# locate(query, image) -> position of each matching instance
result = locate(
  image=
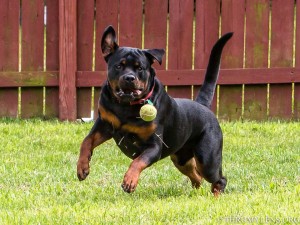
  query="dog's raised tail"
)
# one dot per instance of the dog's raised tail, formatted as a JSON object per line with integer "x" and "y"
{"x": 207, "y": 90}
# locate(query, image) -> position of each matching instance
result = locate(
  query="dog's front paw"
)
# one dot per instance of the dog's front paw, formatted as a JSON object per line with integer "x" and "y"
{"x": 130, "y": 182}
{"x": 83, "y": 169}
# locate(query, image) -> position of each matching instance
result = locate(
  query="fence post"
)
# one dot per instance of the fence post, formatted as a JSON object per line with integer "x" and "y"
{"x": 67, "y": 59}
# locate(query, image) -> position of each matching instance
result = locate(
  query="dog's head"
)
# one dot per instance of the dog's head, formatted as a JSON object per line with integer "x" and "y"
{"x": 130, "y": 74}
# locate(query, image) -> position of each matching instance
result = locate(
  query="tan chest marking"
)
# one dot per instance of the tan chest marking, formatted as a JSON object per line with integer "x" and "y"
{"x": 109, "y": 117}
{"x": 143, "y": 132}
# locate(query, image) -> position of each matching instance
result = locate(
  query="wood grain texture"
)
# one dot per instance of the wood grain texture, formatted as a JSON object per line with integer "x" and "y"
{"x": 206, "y": 31}
{"x": 9, "y": 54}
{"x": 180, "y": 41}
{"x": 256, "y": 55}
{"x": 156, "y": 27}
{"x": 130, "y": 23}
{"x": 281, "y": 56}
{"x": 67, "y": 58}
{"x": 32, "y": 55}
{"x": 107, "y": 13}
{"x": 233, "y": 17}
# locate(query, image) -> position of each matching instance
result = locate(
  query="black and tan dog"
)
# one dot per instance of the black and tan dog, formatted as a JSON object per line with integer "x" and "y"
{"x": 185, "y": 130}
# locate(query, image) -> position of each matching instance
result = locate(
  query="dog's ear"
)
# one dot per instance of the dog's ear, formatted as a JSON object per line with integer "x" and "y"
{"x": 154, "y": 54}
{"x": 108, "y": 42}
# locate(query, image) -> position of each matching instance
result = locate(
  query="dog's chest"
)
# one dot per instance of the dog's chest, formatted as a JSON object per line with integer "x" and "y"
{"x": 129, "y": 143}
{"x": 128, "y": 125}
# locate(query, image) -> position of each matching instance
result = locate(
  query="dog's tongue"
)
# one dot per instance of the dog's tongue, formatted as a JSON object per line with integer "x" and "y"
{"x": 137, "y": 92}
{"x": 134, "y": 91}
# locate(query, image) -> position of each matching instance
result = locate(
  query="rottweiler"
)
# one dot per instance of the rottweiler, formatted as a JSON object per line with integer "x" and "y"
{"x": 183, "y": 129}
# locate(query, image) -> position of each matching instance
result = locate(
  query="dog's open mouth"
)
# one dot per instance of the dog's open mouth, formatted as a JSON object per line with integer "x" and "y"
{"x": 128, "y": 94}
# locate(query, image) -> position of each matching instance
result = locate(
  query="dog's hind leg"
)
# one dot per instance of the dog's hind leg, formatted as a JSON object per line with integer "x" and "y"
{"x": 208, "y": 157}
{"x": 187, "y": 166}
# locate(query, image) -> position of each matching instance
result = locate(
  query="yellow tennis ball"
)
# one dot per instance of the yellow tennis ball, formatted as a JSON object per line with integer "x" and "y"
{"x": 148, "y": 112}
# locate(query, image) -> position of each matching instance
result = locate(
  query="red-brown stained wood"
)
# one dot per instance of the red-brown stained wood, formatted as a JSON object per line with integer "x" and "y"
{"x": 85, "y": 40}
{"x": 230, "y": 108}
{"x": 51, "y": 99}
{"x": 180, "y": 41}
{"x": 31, "y": 102}
{"x": 32, "y": 55}
{"x": 281, "y": 56}
{"x": 297, "y": 64}
{"x": 282, "y": 33}
{"x": 29, "y": 79}
{"x": 195, "y": 77}
{"x": 85, "y": 34}
{"x": 297, "y": 101}
{"x": 297, "y": 55}
{"x": 8, "y": 102}
{"x": 206, "y": 31}
{"x": 96, "y": 100}
{"x": 84, "y": 102}
{"x": 52, "y": 57}
{"x": 52, "y": 32}
{"x": 156, "y": 27}
{"x": 180, "y": 91}
{"x": 233, "y": 15}
{"x": 9, "y": 53}
{"x": 67, "y": 55}
{"x": 256, "y": 55}
{"x": 32, "y": 35}
{"x": 280, "y": 101}
{"x": 9, "y": 35}
{"x": 257, "y": 33}
{"x": 255, "y": 102}
{"x": 130, "y": 23}
{"x": 106, "y": 14}
{"x": 180, "y": 34}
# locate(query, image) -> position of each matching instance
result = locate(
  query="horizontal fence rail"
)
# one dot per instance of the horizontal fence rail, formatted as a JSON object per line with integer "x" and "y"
{"x": 51, "y": 63}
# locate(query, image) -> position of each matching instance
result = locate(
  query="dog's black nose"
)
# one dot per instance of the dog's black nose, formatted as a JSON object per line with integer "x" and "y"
{"x": 129, "y": 78}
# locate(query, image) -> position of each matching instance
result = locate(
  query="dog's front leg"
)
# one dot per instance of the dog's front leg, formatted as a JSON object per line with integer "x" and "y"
{"x": 98, "y": 134}
{"x": 147, "y": 158}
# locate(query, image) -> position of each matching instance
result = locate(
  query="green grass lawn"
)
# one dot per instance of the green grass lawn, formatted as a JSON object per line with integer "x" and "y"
{"x": 38, "y": 182}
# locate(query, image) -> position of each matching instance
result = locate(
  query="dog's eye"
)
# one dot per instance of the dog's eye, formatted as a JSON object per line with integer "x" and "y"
{"x": 118, "y": 67}
{"x": 140, "y": 68}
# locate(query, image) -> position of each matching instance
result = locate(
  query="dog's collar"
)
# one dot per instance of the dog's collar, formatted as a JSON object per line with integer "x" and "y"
{"x": 143, "y": 100}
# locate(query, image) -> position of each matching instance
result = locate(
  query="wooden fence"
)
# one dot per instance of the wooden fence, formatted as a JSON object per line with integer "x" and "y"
{"x": 51, "y": 63}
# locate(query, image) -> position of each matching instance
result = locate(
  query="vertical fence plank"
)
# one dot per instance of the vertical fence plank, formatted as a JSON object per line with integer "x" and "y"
{"x": 256, "y": 56}
{"x": 297, "y": 63}
{"x": 106, "y": 14}
{"x": 97, "y": 91}
{"x": 130, "y": 23}
{"x": 206, "y": 33}
{"x": 230, "y": 96}
{"x": 67, "y": 58}
{"x": 85, "y": 40}
{"x": 297, "y": 101}
{"x": 156, "y": 27}
{"x": 32, "y": 55}
{"x": 52, "y": 57}
{"x": 9, "y": 53}
{"x": 281, "y": 56}
{"x": 180, "y": 41}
